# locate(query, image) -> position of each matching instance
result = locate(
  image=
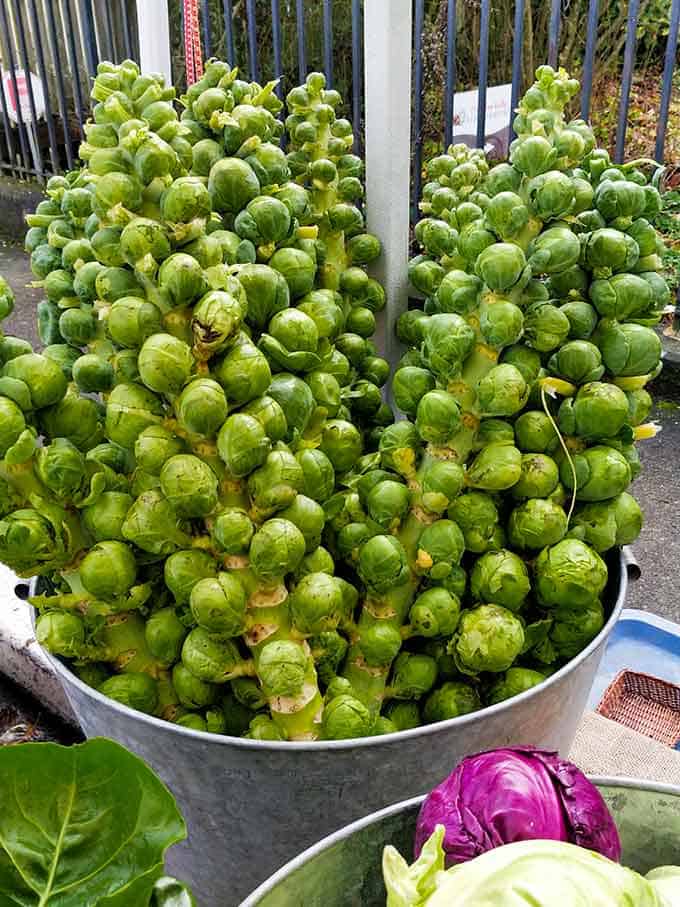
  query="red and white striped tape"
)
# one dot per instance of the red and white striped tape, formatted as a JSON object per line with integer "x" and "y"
{"x": 192, "y": 42}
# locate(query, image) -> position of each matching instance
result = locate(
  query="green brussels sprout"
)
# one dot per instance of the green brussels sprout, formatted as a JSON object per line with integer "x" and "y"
{"x": 204, "y": 154}
{"x": 108, "y": 570}
{"x": 77, "y": 326}
{"x": 601, "y": 473}
{"x": 425, "y": 275}
{"x": 538, "y": 478}
{"x": 582, "y": 319}
{"x": 551, "y": 194}
{"x": 546, "y": 326}
{"x": 532, "y": 155}
{"x": 627, "y": 349}
{"x": 113, "y": 284}
{"x": 537, "y": 523}
{"x": 451, "y": 700}
{"x": 380, "y": 644}
{"x": 500, "y": 577}
{"x": 526, "y": 360}
{"x": 113, "y": 190}
{"x": 165, "y": 633}
{"x": 514, "y": 682}
{"x": 202, "y": 407}
{"x": 435, "y": 612}
{"x": 607, "y": 251}
{"x": 218, "y": 604}
{"x": 242, "y": 444}
{"x": 329, "y": 649}
{"x": 447, "y": 341}
{"x": 263, "y": 728}
{"x": 501, "y": 266}
{"x": 317, "y": 604}
{"x": 153, "y": 525}
{"x": 276, "y": 549}
{"x": 268, "y": 412}
{"x": 76, "y": 418}
{"x": 61, "y": 468}
{"x": 436, "y": 236}
{"x": 183, "y": 569}
{"x": 413, "y": 675}
{"x": 477, "y": 516}
{"x": 489, "y": 638}
{"x": 181, "y": 279}
{"x": 92, "y": 374}
{"x": 440, "y": 548}
{"x": 11, "y": 347}
{"x": 275, "y": 484}
{"x": 570, "y": 283}
{"x": 61, "y": 633}
{"x": 573, "y": 629}
{"x": 569, "y": 574}
{"x": 342, "y": 444}
{"x": 297, "y": 268}
{"x": 496, "y": 467}
{"x": 383, "y": 564}
{"x": 388, "y": 503}
{"x": 501, "y": 323}
{"x": 639, "y": 406}
{"x": 404, "y": 714}
{"x": 345, "y": 717}
{"x": 502, "y": 178}
{"x": 322, "y": 306}
{"x": 232, "y": 184}
{"x": 292, "y": 340}
{"x": 598, "y": 410}
{"x": 554, "y": 250}
{"x": 309, "y": 517}
{"x": 474, "y": 238}
{"x": 210, "y": 658}
{"x": 12, "y": 424}
{"x": 442, "y": 481}
{"x": 578, "y": 361}
{"x": 243, "y": 372}
{"x": 215, "y": 324}
{"x": 458, "y": 292}
{"x": 282, "y": 668}
{"x": 165, "y": 363}
{"x": 154, "y": 446}
{"x": 493, "y": 431}
{"x": 192, "y": 692}
{"x": 620, "y": 199}
{"x": 506, "y": 214}
{"x": 295, "y": 399}
{"x": 604, "y": 524}
{"x": 399, "y": 446}
{"x": 438, "y": 417}
{"x": 189, "y": 485}
{"x": 232, "y": 531}
{"x": 326, "y": 391}
{"x": 104, "y": 518}
{"x": 136, "y": 691}
{"x": 502, "y": 391}
{"x": 621, "y": 296}
{"x": 131, "y": 321}
{"x": 410, "y": 325}
{"x": 41, "y": 377}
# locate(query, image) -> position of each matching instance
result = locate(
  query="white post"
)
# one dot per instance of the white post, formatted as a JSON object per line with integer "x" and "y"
{"x": 387, "y": 55}
{"x": 154, "y": 37}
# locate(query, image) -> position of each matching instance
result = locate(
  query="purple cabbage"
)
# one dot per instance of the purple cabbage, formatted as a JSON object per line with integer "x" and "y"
{"x": 516, "y": 794}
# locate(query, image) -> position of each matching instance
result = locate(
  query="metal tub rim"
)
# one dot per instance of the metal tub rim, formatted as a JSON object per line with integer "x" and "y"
{"x": 347, "y": 831}
{"x": 627, "y": 568}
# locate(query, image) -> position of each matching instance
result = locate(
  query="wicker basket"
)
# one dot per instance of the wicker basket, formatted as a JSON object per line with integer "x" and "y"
{"x": 645, "y": 704}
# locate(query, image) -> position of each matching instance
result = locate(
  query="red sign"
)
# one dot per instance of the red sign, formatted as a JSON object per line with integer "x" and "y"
{"x": 20, "y": 86}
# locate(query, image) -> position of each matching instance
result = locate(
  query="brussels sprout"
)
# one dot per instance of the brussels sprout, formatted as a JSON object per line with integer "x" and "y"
{"x": 546, "y": 327}
{"x": 502, "y": 391}
{"x": 474, "y": 238}
{"x": 341, "y": 442}
{"x": 601, "y": 473}
{"x": 514, "y": 682}
{"x": 551, "y": 194}
{"x": 597, "y": 411}
{"x": 536, "y": 523}
{"x": 532, "y": 155}
{"x": 501, "y": 323}
{"x": 309, "y": 517}
{"x": 578, "y": 361}
{"x": 582, "y": 319}
{"x": 413, "y": 675}
{"x": 477, "y": 516}
{"x": 453, "y": 699}
{"x": 403, "y": 714}
{"x": 345, "y": 717}
{"x": 500, "y": 577}
{"x": 295, "y": 399}
{"x": 297, "y": 268}
{"x": 425, "y": 275}
{"x": 60, "y": 633}
{"x": 554, "y": 250}
{"x": 639, "y": 406}
{"x": 210, "y": 658}
{"x": 573, "y": 629}
{"x": 12, "y": 424}
{"x": 489, "y": 638}
{"x": 216, "y": 322}
{"x": 569, "y": 574}
{"x": 447, "y": 341}
{"x": 243, "y": 372}
{"x": 438, "y": 417}
{"x": 501, "y": 266}
{"x": 189, "y": 485}
{"x": 621, "y": 296}
{"x": 323, "y": 308}
{"x": 165, "y": 633}
{"x": 92, "y": 374}
{"x": 440, "y": 548}
{"x": 276, "y": 549}
{"x": 181, "y": 279}
{"x": 538, "y": 478}
{"x": 318, "y": 474}
{"x": 383, "y": 564}
{"x": 192, "y": 692}
{"x": 292, "y": 340}
{"x": 380, "y": 644}
{"x": 202, "y": 407}
{"x": 526, "y": 360}
{"x": 534, "y": 432}
{"x": 232, "y": 184}
{"x": 506, "y": 214}
{"x": 42, "y": 378}
{"x": 603, "y": 524}
{"x": 628, "y": 349}
{"x": 496, "y": 467}
{"x": 442, "y": 481}
{"x": 218, "y": 604}
{"x": 104, "y": 518}
{"x": 458, "y": 292}
{"x": 108, "y": 570}
{"x": 136, "y": 691}
{"x": 435, "y": 612}
{"x": 11, "y": 347}
{"x": 242, "y": 444}
{"x": 132, "y": 320}
{"x": 282, "y": 668}
{"x": 502, "y": 178}
{"x": 607, "y": 251}
{"x": 183, "y": 569}
{"x": 317, "y": 604}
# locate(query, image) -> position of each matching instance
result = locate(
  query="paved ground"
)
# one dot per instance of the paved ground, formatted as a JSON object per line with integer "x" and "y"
{"x": 23, "y": 720}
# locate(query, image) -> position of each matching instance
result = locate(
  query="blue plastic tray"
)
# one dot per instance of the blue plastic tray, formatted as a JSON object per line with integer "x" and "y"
{"x": 639, "y": 642}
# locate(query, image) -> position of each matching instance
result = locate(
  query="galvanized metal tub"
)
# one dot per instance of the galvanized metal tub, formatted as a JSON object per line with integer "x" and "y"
{"x": 344, "y": 870}
{"x": 250, "y": 805}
